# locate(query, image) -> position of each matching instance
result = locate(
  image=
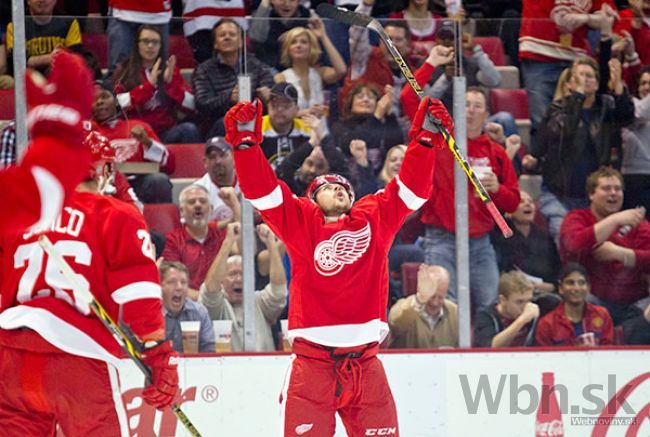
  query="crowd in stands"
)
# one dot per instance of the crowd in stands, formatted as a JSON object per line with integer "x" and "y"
{"x": 575, "y": 273}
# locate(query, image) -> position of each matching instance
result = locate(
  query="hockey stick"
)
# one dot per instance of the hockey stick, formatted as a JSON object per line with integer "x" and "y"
{"x": 353, "y": 18}
{"x": 121, "y": 333}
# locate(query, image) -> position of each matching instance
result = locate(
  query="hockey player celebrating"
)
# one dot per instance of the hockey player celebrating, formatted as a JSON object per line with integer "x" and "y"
{"x": 57, "y": 360}
{"x": 33, "y": 192}
{"x": 339, "y": 284}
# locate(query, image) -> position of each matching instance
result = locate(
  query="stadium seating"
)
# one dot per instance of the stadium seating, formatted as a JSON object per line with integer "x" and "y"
{"x": 189, "y": 160}
{"x": 410, "y": 278}
{"x": 161, "y": 217}
{"x": 516, "y": 103}
{"x": 493, "y": 47}
{"x": 7, "y": 105}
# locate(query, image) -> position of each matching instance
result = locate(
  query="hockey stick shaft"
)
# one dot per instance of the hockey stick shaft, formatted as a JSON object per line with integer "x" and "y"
{"x": 353, "y": 18}
{"x": 123, "y": 338}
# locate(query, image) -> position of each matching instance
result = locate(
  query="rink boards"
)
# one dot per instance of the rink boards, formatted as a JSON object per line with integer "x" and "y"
{"x": 447, "y": 393}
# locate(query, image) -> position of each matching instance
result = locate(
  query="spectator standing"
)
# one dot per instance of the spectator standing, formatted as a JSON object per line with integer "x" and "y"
{"x": 220, "y": 180}
{"x": 575, "y": 322}
{"x": 199, "y": 18}
{"x": 636, "y": 148}
{"x": 580, "y": 133}
{"x": 222, "y": 295}
{"x": 426, "y": 319}
{"x": 384, "y": 70}
{"x": 613, "y": 245}
{"x": 437, "y": 72}
{"x": 531, "y": 249}
{"x": 198, "y": 240}
{"x": 134, "y": 141}
{"x": 496, "y": 173}
{"x": 421, "y": 20}
{"x": 125, "y": 19}
{"x": 511, "y": 322}
{"x": 44, "y": 33}
{"x": 270, "y": 20}
{"x": 177, "y": 308}
{"x": 554, "y": 34}
{"x": 215, "y": 80}
{"x": 151, "y": 88}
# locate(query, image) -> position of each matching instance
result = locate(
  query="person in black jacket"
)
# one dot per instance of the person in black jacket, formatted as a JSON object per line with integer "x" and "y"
{"x": 531, "y": 249}
{"x": 580, "y": 133}
{"x": 215, "y": 80}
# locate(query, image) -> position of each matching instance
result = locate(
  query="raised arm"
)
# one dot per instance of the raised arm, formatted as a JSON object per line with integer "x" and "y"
{"x": 408, "y": 191}
{"x": 259, "y": 184}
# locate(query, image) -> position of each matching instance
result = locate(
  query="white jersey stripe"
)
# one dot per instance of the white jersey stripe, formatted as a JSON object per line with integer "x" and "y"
{"x": 136, "y": 291}
{"x": 409, "y": 198}
{"x": 271, "y": 200}
{"x": 117, "y": 400}
{"x": 343, "y": 335}
{"x": 50, "y": 191}
{"x": 57, "y": 332}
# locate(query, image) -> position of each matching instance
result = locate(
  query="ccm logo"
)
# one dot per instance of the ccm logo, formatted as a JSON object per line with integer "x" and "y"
{"x": 381, "y": 431}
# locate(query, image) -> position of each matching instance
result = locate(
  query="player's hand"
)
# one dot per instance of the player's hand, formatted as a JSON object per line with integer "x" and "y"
{"x": 163, "y": 362}
{"x": 423, "y": 130}
{"x": 244, "y": 124}
{"x": 58, "y": 106}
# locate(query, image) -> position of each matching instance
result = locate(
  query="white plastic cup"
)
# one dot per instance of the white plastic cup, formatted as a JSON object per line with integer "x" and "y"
{"x": 222, "y": 335}
{"x": 190, "y": 334}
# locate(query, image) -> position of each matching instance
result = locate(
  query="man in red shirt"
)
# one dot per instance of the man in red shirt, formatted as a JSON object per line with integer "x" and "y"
{"x": 575, "y": 321}
{"x": 613, "y": 245}
{"x": 494, "y": 169}
{"x": 339, "y": 284}
{"x": 198, "y": 241}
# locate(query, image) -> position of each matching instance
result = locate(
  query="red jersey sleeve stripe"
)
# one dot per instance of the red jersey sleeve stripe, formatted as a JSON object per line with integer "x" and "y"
{"x": 51, "y": 196}
{"x": 410, "y": 199}
{"x": 271, "y": 200}
{"x": 136, "y": 291}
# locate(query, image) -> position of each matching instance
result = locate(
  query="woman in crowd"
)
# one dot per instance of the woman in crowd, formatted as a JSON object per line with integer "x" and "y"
{"x": 392, "y": 164}
{"x": 367, "y": 116}
{"x": 300, "y": 54}
{"x": 153, "y": 90}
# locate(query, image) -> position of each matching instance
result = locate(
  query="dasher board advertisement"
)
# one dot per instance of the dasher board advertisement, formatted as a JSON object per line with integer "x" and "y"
{"x": 572, "y": 393}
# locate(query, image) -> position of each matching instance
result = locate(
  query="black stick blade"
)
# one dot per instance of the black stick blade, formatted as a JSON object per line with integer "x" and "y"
{"x": 341, "y": 15}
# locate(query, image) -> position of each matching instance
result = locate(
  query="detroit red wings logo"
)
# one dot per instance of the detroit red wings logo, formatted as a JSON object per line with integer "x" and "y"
{"x": 344, "y": 247}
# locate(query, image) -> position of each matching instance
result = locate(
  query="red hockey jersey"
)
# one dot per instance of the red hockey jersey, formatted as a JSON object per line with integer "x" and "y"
{"x": 106, "y": 242}
{"x": 339, "y": 270}
{"x": 542, "y": 37}
{"x": 33, "y": 191}
{"x": 143, "y": 11}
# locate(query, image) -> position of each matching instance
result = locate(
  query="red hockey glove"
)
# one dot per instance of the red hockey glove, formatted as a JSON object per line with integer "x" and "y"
{"x": 424, "y": 129}
{"x": 59, "y": 105}
{"x": 163, "y": 361}
{"x": 244, "y": 124}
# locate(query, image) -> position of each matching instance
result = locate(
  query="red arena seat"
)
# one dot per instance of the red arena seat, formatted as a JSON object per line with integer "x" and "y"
{"x": 161, "y": 217}
{"x": 179, "y": 46}
{"x": 189, "y": 160}
{"x": 493, "y": 47}
{"x": 512, "y": 101}
{"x": 7, "y": 105}
{"x": 98, "y": 44}
{"x": 410, "y": 278}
